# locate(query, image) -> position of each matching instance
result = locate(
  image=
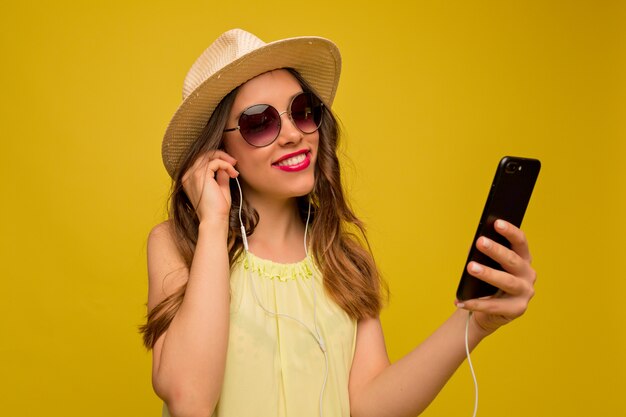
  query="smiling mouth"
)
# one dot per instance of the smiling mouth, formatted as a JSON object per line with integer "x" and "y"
{"x": 294, "y": 163}
{"x": 294, "y": 160}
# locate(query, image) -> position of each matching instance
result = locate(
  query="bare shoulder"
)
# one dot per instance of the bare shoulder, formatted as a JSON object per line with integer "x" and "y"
{"x": 167, "y": 270}
{"x": 161, "y": 242}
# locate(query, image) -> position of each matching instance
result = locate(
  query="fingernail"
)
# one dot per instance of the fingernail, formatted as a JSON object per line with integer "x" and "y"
{"x": 500, "y": 225}
{"x": 486, "y": 243}
{"x": 460, "y": 305}
{"x": 475, "y": 268}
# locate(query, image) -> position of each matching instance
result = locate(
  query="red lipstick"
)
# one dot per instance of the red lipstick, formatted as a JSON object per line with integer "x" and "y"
{"x": 293, "y": 162}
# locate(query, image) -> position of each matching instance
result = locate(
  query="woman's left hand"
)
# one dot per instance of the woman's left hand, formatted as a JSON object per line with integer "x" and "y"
{"x": 516, "y": 282}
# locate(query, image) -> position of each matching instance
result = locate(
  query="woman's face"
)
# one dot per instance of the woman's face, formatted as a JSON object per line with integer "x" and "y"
{"x": 285, "y": 168}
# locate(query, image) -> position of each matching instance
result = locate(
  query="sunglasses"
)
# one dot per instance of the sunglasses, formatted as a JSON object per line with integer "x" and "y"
{"x": 260, "y": 124}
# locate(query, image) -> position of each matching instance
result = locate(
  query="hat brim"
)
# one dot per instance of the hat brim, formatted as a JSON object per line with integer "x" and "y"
{"x": 316, "y": 59}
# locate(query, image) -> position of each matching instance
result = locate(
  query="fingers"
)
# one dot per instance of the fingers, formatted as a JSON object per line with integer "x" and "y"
{"x": 518, "y": 276}
{"x": 216, "y": 165}
{"x": 212, "y": 161}
{"x": 504, "y": 311}
{"x": 515, "y": 282}
{"x": 222, "y": 177}
{"x": 515, "y": 236}
{"x": 196, "y": 179}
{"x": 515, "y": 260}
{"x": 509, "y": 283}
{"x": 206, "y": 183}
{"x": 509, "y": 303}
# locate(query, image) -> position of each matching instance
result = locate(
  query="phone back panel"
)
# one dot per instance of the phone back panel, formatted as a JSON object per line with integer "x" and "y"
{"x": 508, "y": 199}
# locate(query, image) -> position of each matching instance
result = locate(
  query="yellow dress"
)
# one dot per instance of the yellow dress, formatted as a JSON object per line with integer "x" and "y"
{"x": 275, "y": 366}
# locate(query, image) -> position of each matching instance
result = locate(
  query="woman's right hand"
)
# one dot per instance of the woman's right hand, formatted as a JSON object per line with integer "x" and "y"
{"x": 206, "y": 184}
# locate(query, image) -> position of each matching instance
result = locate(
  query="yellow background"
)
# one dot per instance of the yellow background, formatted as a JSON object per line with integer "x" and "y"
{"x": 432, "y": 95}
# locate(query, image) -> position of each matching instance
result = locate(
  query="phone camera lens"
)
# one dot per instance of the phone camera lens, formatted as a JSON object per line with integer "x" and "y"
{"x": 511, "y": 167}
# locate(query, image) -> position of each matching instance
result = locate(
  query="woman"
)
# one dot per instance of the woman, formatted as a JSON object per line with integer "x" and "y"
{"x": 263, "y": 298}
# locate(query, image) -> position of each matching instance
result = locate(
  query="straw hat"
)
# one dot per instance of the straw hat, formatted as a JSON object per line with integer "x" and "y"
{"x": 234, "y": 58}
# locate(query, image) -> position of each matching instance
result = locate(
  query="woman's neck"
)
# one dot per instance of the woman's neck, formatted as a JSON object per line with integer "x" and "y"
{"x": 279, "y": 234}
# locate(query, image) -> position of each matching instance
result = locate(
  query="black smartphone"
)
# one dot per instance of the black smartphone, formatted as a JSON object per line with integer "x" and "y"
{"x": 508, "y": 199}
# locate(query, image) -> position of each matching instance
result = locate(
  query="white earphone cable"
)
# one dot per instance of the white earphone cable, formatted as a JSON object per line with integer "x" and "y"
{"x": 315, "y": 331}
{"x": 320, "y": 340}
{"x": 469, "y": 361}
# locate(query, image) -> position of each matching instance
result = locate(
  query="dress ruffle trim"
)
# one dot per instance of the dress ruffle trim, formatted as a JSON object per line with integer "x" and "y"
{"x": 267, "y": 269}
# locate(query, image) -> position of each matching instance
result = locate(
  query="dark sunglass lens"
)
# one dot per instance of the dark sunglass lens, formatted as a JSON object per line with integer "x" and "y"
{"x": 259, "y": 125}
{"x": 306, "y": 112}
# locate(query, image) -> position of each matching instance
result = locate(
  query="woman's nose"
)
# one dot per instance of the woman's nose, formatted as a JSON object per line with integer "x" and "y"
{"x": 289, "y": 133}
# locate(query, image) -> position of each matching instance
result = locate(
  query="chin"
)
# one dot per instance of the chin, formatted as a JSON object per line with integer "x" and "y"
{"x": 302, "y": 191}
{"x": 302, "y": 188}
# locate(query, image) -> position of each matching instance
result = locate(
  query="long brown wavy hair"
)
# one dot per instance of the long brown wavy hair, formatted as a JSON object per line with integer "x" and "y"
{"x": 338, "y": 240}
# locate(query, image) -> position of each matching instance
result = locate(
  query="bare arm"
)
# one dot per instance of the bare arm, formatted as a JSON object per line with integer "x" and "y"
{"x": 189, "y": 358}
{"x": 408, "y": 386}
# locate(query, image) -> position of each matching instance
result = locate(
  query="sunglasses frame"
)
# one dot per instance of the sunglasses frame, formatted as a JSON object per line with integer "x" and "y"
{"x": 280, "y": 124}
